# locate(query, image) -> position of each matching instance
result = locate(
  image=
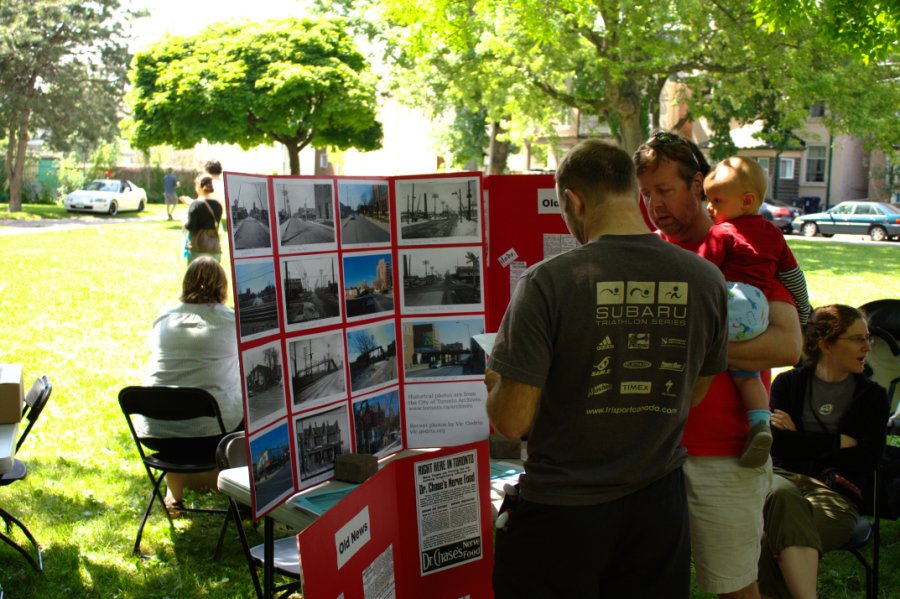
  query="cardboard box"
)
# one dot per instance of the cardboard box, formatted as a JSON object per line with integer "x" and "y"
{"x": 12, "y": 393}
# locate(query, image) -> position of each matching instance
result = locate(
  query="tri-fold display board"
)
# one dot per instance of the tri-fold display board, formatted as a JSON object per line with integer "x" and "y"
{"x": 356, "y": 300}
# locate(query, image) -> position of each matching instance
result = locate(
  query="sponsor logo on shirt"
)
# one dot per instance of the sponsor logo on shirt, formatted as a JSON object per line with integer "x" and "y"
{"x": 674, "y": 366}
{"x": 601, "y": 367}
{"x": 673, "y": 342}
{"x": 599, "y": 389}
{"x": 605, "y": 344}
{"x": 635, "y": 387}
{"x": 668, "y": 389}
{"x": 641, "y": 302}
{"x": 638, "y": 340}
{"x": 637, "y": 364}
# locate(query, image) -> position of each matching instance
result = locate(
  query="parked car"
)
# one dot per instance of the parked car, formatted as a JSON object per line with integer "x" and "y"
{"x": 878, "y": 220}
{"x": 107, "y": 195}
{"x": 779, "y": 214}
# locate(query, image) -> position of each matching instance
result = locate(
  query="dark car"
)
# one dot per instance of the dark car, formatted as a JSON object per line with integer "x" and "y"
{"x": 779, "y": 214}
{"x": 879, "y": 220}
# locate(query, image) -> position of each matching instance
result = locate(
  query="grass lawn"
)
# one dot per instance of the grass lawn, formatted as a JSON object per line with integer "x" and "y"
{"x": 77, "y": 305}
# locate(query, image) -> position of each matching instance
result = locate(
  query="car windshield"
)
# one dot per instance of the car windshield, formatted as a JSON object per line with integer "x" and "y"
{"x": 104, "y": 185}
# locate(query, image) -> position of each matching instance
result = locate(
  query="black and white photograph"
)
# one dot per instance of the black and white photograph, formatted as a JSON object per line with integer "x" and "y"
{"x": 365, "y": 213}
{"x": 441, "y": 280}
{"x": 372, "y": 354}
{"x": 311, "y": 291}
{"x": 257, "y": 298}
{"x": 248, "y": 205}
{"x": 264, "y": 384}
{"x": 273, "y": 478}
{"x": 316, "y": 367}
{"x": 441, "y": 348}
{"x": 376, "y": 424}
{"x": 321, "y": 438}
{"x": 305, "y": 214}
{"x": 368, "y": 284}
{"x": 441, "y": 210}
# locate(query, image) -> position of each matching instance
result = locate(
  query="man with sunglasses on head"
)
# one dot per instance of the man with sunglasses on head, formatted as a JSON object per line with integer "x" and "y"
{"x": 725, "y": 500}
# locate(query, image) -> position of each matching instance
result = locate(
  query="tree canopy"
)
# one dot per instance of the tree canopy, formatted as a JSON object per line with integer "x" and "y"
{"x": 62, "y": 74}
{"x": 294, "y": 81}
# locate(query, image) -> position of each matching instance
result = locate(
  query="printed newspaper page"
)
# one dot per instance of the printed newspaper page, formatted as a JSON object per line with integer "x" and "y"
{"x": 448, "y": 511}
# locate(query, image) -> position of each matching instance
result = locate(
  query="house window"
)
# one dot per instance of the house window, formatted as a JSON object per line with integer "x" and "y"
{"x": 817, "y": 109}
{"x": 815, "y": 164}
{"x": 764, "y": 164}
{"x": 787, "y": 168}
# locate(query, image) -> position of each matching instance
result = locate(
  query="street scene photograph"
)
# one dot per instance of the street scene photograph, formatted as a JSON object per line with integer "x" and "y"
{"x": 263, "y": 384}
{"x": 365, "y": 213}
{"x": 372, "y": 352}
{"x": 376, "y": 422}
{"x": 270, "y": 453}
{"x": 316, "y": 366}
{"x": 368, "y": 284}
{"x": 440, "y": 280}
{"x": 311, "y": 293}
{"x": 321, "y": 438}
{"x": 441, "y": 347}
{"x": 441, "y": 210}
{"x": 257, "y": 304}
{"x": 248, "y": 202}
{"x": 305, "y": 211}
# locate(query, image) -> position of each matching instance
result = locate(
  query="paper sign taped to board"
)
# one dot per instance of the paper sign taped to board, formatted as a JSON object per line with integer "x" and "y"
{"x": 352, "y": 536}
{"x": 547, "y": 201}
{"x": 507, "y": 257}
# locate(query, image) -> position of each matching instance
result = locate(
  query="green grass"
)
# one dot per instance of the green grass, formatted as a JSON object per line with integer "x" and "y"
{"x": 35, "y": 212}
{"x": 77, "y": 305}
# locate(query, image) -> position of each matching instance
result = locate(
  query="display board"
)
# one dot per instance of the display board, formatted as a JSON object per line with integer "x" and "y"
{"x": 356, "y": 300}
{"x": 525, "y": 226}
{"x": 420, "y": 527}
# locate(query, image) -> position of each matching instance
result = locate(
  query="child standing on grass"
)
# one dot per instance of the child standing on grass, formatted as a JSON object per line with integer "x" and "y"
{"x": 753, "y": 255}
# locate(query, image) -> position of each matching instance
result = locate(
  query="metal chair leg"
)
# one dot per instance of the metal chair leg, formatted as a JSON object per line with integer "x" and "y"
{"x": 137, "y": 543}
{"x": 10, "y": 519}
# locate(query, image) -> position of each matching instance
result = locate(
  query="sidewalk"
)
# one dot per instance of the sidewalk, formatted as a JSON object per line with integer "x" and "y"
{"x": 47, "y": 225}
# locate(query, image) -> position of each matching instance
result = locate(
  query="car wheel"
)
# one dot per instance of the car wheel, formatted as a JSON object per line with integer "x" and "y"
{"x": 809, "y": 229}
{"x": 141, "y": 206}
{"x": 113, "y": 208}
{"x": 877, "y": 233}
{"x": 787, "y": 229}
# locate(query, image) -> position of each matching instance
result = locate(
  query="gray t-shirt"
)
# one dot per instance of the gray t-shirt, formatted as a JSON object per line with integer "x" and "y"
{"x": 614, "y": 333}
{"x": 826, "y": 403}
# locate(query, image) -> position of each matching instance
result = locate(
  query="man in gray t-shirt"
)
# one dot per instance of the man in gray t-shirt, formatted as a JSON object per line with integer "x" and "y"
{"x": 599, "y": 357}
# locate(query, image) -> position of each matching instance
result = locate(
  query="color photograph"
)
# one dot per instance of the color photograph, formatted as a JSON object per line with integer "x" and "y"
{"x": 273, "y": 479}
{"x": 365, "y": 213}
{"x": 372, "y": 353}
{"x": 441, "y": 280}
{"x": 368, "y": 284}
{"x": 441, "y": 348}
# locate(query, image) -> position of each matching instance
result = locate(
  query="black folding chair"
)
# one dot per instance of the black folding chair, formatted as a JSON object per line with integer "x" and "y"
{"x": 171, "y": 403}
{"x": 35, "y": 400}
{"x": 285, "y": 558}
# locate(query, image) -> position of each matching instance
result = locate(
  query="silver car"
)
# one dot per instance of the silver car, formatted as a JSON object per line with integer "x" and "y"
{"x": 107, "y": 195}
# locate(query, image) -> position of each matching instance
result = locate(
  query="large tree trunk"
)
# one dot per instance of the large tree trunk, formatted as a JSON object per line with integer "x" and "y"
{"x": 17, "y": 161}
{"x": 498, "y": 152}
{"x": 293, "y": 156}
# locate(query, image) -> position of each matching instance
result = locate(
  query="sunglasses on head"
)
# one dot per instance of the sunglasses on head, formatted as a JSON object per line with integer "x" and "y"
{"x": 662, "y": 138}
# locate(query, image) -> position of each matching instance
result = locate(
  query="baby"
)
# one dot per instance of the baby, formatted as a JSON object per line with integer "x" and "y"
{"x": 753, "y": 256}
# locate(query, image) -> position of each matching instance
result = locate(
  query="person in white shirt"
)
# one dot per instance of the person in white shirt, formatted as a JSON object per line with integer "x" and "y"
{"x": 194, "y": 344}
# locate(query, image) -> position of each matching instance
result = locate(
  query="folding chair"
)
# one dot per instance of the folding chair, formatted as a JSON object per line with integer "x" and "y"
{"x": 232, "y": 453}
{"x": 883, "y": 362}
{"x": 35, "y": 400}
{"x": 171, "y": 403}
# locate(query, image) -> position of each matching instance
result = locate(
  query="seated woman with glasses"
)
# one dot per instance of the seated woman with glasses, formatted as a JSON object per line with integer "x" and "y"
{"x": 828, "y": 428}
{"x": 194, "y": 344}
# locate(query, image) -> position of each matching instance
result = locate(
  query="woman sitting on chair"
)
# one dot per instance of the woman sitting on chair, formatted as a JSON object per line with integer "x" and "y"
{"x": 828, "y": 428}
{"x": 194, "y": 345}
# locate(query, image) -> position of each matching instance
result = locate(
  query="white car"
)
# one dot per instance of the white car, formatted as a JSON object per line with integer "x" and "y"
{"x": 107, "y": 195}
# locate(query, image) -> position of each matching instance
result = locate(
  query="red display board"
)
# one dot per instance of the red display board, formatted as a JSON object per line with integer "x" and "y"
{"x": 421, "y": 527}
{"x": 356, "y": 300}
{"x": 524, "y": 221}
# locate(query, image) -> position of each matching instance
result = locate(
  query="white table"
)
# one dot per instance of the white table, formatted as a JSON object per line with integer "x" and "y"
{"x": 8, "y": 436}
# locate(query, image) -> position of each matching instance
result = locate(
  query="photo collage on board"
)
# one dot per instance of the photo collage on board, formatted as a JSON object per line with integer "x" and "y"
{"x": 344, "y": 296}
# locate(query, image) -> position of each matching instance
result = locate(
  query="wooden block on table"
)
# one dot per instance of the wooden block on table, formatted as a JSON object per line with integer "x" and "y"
{"x": 355, "y": 467}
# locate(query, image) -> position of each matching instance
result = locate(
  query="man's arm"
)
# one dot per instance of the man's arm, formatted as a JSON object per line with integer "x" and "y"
{"x": 511, "y": 405}
{"x": 701, "y": 387}
{"x": 779, "y": 345}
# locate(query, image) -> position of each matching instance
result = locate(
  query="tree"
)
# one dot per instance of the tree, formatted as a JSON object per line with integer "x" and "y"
{"x": 293, "y": 81}
{"x": 62, "y": 73}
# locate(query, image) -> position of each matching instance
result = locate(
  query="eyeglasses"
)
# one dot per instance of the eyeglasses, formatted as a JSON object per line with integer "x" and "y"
{"x": 860, "y": 339}
{"x": 662, "y": 138}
